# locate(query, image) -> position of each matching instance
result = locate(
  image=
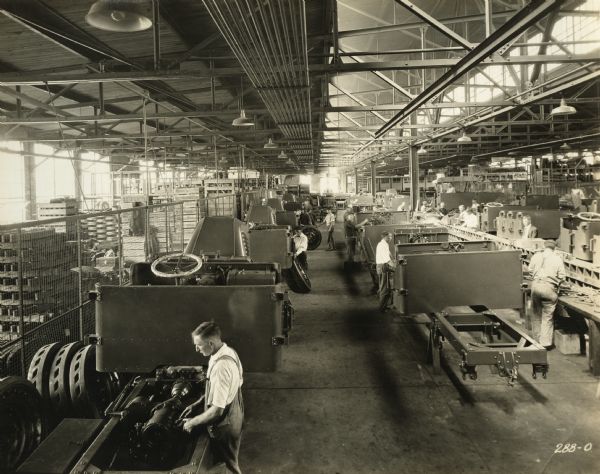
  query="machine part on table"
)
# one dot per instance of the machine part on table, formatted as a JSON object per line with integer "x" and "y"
{"x": 60, "y": 394}
{"x": 577, "y": 235}
{"x": 177, "y": 265}
{"x": 314, "y": 236}
{"x": 91, "y": 391}
{"x": 494, "y": 204}
{"x": 21, "y": 421}
{"x": 297, "y": 278}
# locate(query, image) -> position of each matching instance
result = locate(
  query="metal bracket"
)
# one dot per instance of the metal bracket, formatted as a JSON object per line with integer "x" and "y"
{"x": 278, "y": 341}
{"x": 508, "y": 366}
{"x": 277, "y": 296}
{"x": 93, "y": 339}
{"x": 95, "y": 295}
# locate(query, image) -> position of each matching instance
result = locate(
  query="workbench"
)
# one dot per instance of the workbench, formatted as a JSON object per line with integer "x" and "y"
{"x": 585, "y": 308}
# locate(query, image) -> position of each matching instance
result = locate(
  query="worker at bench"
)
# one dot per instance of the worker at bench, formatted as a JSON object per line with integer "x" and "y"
{"x": 548, "y": 272}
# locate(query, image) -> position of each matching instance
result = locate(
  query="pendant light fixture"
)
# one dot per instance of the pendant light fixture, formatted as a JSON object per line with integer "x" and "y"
{"x": 565, "y": 146}
{"x": 422, "y": 151}
{"x": 282, "y": 155}
{"x": 563, "y": 109}
{"x": 242, "y": 120}
{"x": 464, "y": 138}
{"x": 120, "y": 15}
{"x": 270, "y": 145}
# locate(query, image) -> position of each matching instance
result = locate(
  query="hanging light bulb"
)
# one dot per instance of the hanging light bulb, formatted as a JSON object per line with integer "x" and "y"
{"x": 120, "y": 15}
{"x": 421, "y": 151}
{"x": 282, "y": 155}
{"x": 270, "y": 145}
{"x": 563, "y": 109}
{"x": 464, "y": 138}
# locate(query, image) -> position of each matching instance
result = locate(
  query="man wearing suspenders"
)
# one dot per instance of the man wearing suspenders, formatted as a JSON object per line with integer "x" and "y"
{"x": 223, "y": 404}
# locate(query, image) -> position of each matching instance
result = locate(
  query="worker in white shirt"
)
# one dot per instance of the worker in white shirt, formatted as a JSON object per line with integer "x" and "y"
{"x": 451, "y": 189}
{"x": 223, "y": 404}
{"x": 547, "y": 270}
{"x": 461, "y": 213}
{"x": 529, "y": 230}
{"x": 300, "y": 247}
{"x": 471, "y": 220}
{"x": 384, "y": 266}
{"x": 329, "y": 222}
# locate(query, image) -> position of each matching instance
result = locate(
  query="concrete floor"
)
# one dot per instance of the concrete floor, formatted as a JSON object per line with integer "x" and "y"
{"x": 355, "y": 395}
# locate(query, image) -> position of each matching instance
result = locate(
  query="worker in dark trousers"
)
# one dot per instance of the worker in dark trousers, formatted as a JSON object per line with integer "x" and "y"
{"x": 351, "y": 233}
{"x": 223, "y": 412}
{"x": 547, "y": 270}
{"x": 385, "y": 266}
{"x": 300, "y": 247}
{"x": 329, "y": 222}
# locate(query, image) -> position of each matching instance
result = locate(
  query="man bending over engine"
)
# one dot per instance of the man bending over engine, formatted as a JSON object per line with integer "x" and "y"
{"x": 223, "y": 412}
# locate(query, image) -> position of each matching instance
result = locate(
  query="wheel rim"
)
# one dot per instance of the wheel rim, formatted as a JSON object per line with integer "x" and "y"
{"x": 21, "y": 421}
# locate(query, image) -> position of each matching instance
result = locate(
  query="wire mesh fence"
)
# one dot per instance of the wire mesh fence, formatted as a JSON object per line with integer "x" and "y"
{"x": 48, "y": 267}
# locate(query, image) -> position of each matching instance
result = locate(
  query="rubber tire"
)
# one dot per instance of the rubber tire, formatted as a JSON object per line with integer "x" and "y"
{"x": 39, "y": 375}
{"x": 297, "y": 279}
{"x": 91, "y": 392}
{"x": 314, "y": 236}
{"x": 21, "y": 421}
{"x": 60, "y": 396}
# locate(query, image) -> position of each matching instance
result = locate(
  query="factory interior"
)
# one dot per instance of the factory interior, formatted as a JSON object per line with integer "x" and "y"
{"x": 300, "y": 236}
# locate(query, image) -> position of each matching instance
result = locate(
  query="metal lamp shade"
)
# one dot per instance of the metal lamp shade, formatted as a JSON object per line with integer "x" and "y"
{"x": 120, "y": 15}
{"x": 563, "y": 109}
{"x": 242, "y": 120}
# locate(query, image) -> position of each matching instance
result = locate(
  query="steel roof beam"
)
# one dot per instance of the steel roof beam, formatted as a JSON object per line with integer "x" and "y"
{"x": 436, "y": 24}
{"x": 510, "y": 30}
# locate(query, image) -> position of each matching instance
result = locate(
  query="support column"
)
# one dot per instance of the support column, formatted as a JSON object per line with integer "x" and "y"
{"x": 413, "y": 167}
{"x": 413, "y": 170}
{"x": 355, "y": 180}
{"x": 29, "y": 182}
{"x": 373, "y": 178}
{"x": 78, "y": 179}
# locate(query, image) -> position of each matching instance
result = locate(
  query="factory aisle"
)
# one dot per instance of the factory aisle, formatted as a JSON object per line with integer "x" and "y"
{"x": 355, "y": 395}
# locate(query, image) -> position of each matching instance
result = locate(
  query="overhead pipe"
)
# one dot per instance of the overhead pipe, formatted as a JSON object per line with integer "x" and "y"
{"x": 269, "y": 41}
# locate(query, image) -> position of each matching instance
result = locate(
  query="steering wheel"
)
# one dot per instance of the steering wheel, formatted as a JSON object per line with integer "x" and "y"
{"x": 494, "y": 204}
{"x": 176, "y": 265}
{"x": 589, "y": 216}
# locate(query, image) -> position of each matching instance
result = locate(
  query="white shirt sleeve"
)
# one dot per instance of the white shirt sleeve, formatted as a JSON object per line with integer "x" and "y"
{"x": 382, "y": 253}
{"x": 221, "y": 383}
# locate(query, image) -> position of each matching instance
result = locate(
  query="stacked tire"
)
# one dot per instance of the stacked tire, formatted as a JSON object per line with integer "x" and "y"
{"x": 65, "y": 377}
{"x": 21, "y": 421}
